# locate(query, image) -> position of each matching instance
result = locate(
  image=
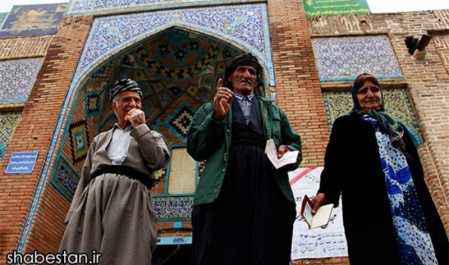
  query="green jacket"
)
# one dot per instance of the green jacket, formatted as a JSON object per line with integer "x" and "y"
{"x": 210, "y": 140}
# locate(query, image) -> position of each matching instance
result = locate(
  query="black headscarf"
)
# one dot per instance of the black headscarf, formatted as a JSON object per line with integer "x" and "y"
{"x": 387, "y": 123}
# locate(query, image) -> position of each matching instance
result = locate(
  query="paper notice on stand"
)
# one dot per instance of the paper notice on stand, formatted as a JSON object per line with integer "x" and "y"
{"x": 324, "y": 241}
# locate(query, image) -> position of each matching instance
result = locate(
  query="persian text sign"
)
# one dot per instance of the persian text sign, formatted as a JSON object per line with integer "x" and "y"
{"x": 21, "y": 162}
{"x": 316, "y": 8}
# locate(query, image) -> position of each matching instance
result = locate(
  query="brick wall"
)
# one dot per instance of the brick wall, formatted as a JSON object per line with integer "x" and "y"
{"x": 297, "y": 80}
{"x": 24, "y": 47}
{"x": 34, "y": 132}
{"x": 298, "y": 87}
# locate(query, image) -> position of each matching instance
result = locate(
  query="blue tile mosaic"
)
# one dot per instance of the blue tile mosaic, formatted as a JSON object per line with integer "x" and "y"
{"x": 244, "y": 26}
{"x": 8, "y": 124}
{"x": 346, "y": 58}
{"x": 397, "y": 103}
{"x": 17, "y": 78}
{"x": 168, "y": 65}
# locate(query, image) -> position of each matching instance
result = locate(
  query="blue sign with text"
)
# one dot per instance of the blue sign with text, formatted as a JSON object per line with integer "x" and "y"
{"x": 21, "y": 162}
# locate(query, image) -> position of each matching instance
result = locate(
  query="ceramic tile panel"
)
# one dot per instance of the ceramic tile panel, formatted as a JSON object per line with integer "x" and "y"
{"x": 345, "y": 58}
{"x": 8, "y": 124}
{"x": 17, "y": 78}
{"x": 65, "y": 178}
{"x": 79, "y": 141}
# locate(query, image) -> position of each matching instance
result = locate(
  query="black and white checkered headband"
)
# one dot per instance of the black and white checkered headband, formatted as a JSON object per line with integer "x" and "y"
{"x": 122, "y": 85}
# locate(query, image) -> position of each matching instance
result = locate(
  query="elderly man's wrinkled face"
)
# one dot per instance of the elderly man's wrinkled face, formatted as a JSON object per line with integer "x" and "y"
{"x": 123, "y": 103}
{"x": 244, "y": 79}
{"x": 369, "y": 96}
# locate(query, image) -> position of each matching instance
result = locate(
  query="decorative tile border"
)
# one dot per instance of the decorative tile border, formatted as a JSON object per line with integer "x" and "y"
{"x": 345, "y": 58}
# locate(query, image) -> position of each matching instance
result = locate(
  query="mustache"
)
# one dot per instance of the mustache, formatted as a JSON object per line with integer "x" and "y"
{"x": 246, "y": 80}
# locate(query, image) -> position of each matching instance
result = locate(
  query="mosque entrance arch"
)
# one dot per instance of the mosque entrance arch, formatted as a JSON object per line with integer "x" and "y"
{"x": 177, "y": 70}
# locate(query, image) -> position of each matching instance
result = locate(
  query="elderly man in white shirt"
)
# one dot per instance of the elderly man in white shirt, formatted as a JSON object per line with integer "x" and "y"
{"x": 112, "y": 211}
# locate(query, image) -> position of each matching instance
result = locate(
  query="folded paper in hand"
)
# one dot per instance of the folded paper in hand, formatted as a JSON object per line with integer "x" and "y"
{"x": 321, "y": 217}
{"x": 272, "y": 153}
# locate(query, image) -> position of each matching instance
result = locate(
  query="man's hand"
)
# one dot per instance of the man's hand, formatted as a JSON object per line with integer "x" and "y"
{"x": 222, "y": 101}
{"x": 282, "y": 150}
{"x": 136, "y": 117}
{"x": 319, "y": 200}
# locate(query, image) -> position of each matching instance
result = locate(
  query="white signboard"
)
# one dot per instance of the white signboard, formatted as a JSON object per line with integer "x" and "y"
{"x": 323, "y": 242}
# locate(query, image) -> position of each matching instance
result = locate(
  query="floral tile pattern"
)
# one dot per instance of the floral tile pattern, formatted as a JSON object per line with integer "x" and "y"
{"x": 345, "y": 58}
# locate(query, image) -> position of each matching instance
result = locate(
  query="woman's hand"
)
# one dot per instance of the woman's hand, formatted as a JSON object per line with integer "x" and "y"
{"x": 319, "y": 200}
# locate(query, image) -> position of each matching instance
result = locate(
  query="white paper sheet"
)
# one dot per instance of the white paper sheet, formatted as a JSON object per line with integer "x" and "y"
{"x": 319, "y": 242}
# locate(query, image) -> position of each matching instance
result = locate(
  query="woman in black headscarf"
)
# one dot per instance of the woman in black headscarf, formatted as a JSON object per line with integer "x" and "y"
{"x": 388, "y": 214}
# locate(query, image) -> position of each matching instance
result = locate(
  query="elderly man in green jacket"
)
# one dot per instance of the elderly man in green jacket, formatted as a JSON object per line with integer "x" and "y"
{"x": 244, "y": 208}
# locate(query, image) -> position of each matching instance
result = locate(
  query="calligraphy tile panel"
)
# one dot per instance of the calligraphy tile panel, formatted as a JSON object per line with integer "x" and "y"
{"x": 397, "y": 103}
{"x": 65, "y": 178}
{"x": 173, "y": 208}
{"x": 340, "y": 59}
{"x": 77, "y": 7}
